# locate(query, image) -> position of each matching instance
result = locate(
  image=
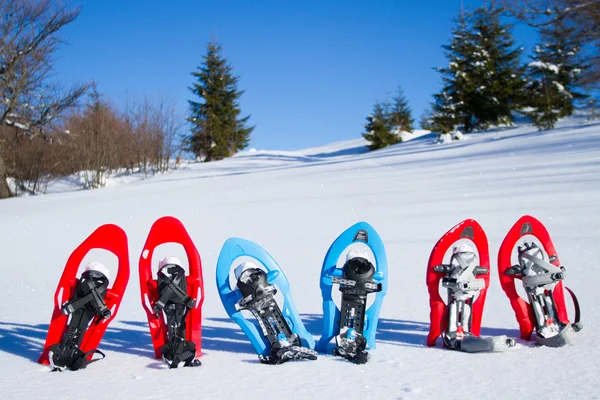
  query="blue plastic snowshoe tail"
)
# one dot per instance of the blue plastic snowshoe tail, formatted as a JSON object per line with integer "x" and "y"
{"x": 232, "y": 250}
{"x": 364, "y": 233}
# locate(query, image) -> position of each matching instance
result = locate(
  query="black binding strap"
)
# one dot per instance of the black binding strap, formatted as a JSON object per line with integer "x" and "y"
{"x": 98, "y": 302}
{"x": 82, "y": 312}
{"x": 173, "y": 289}
{"x": 576, "y": 324}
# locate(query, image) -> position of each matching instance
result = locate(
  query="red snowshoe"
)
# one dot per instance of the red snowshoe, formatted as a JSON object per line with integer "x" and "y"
{"x": 466, "y": 276}
{"x": 539, "y": 269}
{"x": 173, "y": 302}
{"x": 84, "y": 307}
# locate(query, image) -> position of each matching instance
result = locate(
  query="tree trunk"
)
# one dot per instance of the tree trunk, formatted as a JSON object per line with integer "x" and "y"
{"x": 4, "y": 189}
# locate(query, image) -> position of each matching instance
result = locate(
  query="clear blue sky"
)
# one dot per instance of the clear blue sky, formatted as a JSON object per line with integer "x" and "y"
{"x": 312, "y": 70}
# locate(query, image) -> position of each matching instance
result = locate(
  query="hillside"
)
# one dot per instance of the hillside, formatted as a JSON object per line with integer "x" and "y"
{"x": 295, "y": 204}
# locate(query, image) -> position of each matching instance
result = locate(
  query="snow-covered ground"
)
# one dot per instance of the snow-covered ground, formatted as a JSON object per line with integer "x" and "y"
{"x": 295, "y": 204}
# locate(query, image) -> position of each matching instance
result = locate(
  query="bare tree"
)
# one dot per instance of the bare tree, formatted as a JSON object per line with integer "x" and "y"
{"x": 171, "y": 124}
{"x": 28, "y": 39}
{"x": 582, "y": 15}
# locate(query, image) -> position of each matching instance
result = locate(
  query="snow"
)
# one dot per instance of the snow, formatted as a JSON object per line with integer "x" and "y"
{"x": 543, "y": 65}
{"x": 561, "y": 88}
{"x": 450, "y": 137}
{"x": 295, "y": 204}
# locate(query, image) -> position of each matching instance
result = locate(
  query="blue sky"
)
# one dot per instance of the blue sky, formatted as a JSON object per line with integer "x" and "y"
{"x": 311, "y": 69}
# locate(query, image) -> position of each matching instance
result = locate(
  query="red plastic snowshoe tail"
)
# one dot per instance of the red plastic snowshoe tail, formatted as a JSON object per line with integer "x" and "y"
{"x": 471, "y": 230}
{"x": 528, "y": 225}
{"x": 107, "y": 237}
{"x": 171, "y": 230}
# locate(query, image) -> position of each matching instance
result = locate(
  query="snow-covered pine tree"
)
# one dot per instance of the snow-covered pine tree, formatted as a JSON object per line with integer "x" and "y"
{"x": 444, "y": 118}
{"x": 450, "y": 107}
{"x": 498, "y": 77}
{"x": 554, "y": 74}
{"x": 217, "y": 130}
{"x": 399, "y": 115}
{"x": 378, "y": 129}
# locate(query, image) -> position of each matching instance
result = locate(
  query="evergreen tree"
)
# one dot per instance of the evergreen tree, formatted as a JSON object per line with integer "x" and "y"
{"x": 451, "y": 106}
{"x": 217, "y": 129}
{"x": 554, "y": 74}
{"x": 400, "y": 113}
{"x": 499, "y": 82}
{"x": 444, "y": 118}
{"x": 483, "y": 81}
{"x": 378, "y": 129}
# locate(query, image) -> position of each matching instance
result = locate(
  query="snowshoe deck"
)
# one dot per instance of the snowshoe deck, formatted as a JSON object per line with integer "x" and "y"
{"x": 541, "y": 273}
{"x": 270, "y": 321}
{"x": 185, "y": 296}
{"x": 107, "y": 237}
{"x": 463, "y": 281}
{"x": 355, "y": 285}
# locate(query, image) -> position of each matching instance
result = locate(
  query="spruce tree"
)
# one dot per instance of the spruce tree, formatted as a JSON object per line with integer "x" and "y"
{"x": 451, "y": 106}
{"x": 554, "y": 75}
{"x": 483, "y": 81}
{"x": 378, "y": 129}
{"x": 500, "y": 82}
{"x": 444, "y": 118}
{"x": 217, "y": 129}
{"x": 400, "y": 113}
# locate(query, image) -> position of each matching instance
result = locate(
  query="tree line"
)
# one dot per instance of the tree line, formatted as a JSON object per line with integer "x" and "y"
{"x": 49, "y": 131}
{"x": 485, "y": 81}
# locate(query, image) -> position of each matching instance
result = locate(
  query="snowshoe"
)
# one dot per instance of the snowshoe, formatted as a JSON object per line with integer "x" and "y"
{"x": 542, "y": 277}
{"x": 353, "y": 326}
{"x": 466, "y": 278}
{"x": 78, "y": 324}
{"x": 173, "y": 301}
{"x": 276, "y": 336}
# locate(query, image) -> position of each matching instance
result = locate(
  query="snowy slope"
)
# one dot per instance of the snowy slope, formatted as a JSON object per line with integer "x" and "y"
{"x": 295, "y": 204}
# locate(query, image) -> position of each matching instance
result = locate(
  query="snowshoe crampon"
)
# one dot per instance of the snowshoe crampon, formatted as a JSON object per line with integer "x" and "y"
{"x": 538, "y": 267}
{"x": 277, "y": 334}
{"x": 173, "y": 301}
{"x": 354, "y": 325}
{"x": 84, "y": 307}
{"x": 466, "y": 277}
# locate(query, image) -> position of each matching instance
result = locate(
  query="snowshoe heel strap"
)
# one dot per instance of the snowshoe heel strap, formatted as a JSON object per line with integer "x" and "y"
{"x": 567, "y": 332}
{"x": 577, "y": 325}
{"x": 284, "y": 354}
{"x": 70, "y": 356}
{"x": 180, "y": 352}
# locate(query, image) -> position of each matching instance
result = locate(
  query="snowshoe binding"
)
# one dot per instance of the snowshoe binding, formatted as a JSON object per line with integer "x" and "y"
{"x": 463, "y": 285}
{"x": 466, "y": 280}
{"x": 356, "y": 283}
{"x": 87, "y": 307}
{"x": 175, "y": 303}
{"x": 258, "y": 298}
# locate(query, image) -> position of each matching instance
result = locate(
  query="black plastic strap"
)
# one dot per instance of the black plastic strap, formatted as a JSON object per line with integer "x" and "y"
{"x": 576, "y": 304}
{"x": 101, "y": 309}
{"x": 173, "y": 288}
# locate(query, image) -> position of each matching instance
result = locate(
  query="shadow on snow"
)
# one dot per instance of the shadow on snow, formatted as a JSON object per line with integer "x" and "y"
{"x": 218, "y": 334}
